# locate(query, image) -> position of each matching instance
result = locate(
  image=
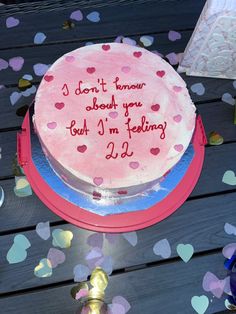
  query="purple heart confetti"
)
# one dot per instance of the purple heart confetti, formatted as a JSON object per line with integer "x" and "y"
{"x": 40, "y": 69}
{"x": 162, "y": 248}
{"x": 128, "y": 41}
{"x": 39, "y": 38}
{"x": 81, "y": 273}
{"x": 116, "y": 309}
{"x": 3, "y": 64}
{"x": 95, "y": 240}
{"x": 230, "y": 229}
{"x": 131, "y": 237}
{"x": 77, "y": 15}
{"x": 43, "y": 230}
{"x": 229, "y": 250}
{"x": 198, "y": 89}
{"x": 16, "y": 63}
{"x": 173, "y": 36}
{"x": 118, "y": 39}
{"x": 56, "y": 257}
{"x": 173, "y": 58}
{"x": 214, "y": 285}
{"x": 122, "y": 301}
{"x": 12, "y": 22}
{"x": 94, "y": 253}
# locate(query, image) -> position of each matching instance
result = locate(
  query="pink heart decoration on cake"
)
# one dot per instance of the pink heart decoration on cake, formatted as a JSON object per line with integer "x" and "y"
{"x": 160, "y": 73}
{"x": 155, "y": 151}
{"x": 106, "y": 47}
{"x": 91, "y": 70}
{"x": 52, "y": 125}
{"x": 137, "y": 54}
{"x": 155, "y": 107}
{"x": 70, "y": 58}
{"x": 59, "y": 105}
{"x": 98, "y": 180}
{"x": 113, "y": 114}
{"x": 81, "y": 148}
{"x": 177, "y": 118}
{"x": 125, "y": 69}
{"x": 179, "y": 147}
{"x": 177, "y": 88}
{"x": 134, "y": 164}
{"x": 48, "y": 78}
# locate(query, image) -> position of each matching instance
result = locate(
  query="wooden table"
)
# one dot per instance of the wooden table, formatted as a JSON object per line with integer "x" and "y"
{"x": 151, "y": 284}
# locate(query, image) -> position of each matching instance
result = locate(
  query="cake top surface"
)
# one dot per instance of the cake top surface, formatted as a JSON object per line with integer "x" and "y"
{"x": 114, "y": 115}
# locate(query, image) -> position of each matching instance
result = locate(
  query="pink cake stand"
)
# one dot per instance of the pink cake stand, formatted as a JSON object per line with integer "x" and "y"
{"x": 124, "y": 222}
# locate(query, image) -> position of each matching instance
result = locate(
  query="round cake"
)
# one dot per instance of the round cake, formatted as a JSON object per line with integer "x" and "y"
{"x": 113, "y": 119}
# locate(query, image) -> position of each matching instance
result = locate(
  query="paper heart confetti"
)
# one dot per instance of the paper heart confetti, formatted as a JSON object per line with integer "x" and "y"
{"x": 95, "y": 240}
{"x": 147, "y": 41}
{"x": 39, "y": 38}
{"x": 56, "y": 257}
{"x": 16, "y": 63}
{"x": 94, "y": 17}
{"x": 214, "y": 285}
{"x": 3, "y": 64}
{"x": 162, "y": 248}
{"x": 62, "y": 238}
{"x": 230, "y": 229}
{"x": 94, "y": 253}
{"x": 131, "y": 237}
{"x": 228, "y": 98}
{"x": 43, "y": 269}
{"x": 122, "y": 301}
{"x": 22, "y": 188}
{"x": 43, "y": 230}
{"x": 28, "y": 77}
{"x": 198, "y": 89}
{"x": 173, "y": 35}
{"x": 112, "y": 238}
{"x": 200, "y": 304}
{"x": 81, "y": 273}
{"x": 14, "y": 97}
{"x": 2, "y": 195}
{"x": 129, "y": 41}
{"x": 185, "y": 251}
{"x": 173, "y": 58}
{"x": 229, "y": 177}
{"x": 18, "y": 251}
{"x": 40, "y": 69}
{"x": 77, "y": 15}
{"x": 29, "y": 91}
{"x": 116, "y": 309}
{"x": 229, "y": 250}
{"x": 215, "y": 138}
{"x": 12, "y": 22}
{"x": 105, "y": 263}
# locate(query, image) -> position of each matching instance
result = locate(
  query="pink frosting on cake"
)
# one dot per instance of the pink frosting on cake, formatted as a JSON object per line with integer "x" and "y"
{"x": 113, "y": 117}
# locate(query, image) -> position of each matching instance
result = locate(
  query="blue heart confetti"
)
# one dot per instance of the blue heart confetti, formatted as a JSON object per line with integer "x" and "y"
{"x": 39, "y": 38}
{"x": 94, "y": 17}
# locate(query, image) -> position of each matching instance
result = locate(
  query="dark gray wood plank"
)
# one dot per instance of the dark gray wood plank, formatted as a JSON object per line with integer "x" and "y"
{"x": 199, "y": 222}
{"x": 168, "y": 288}
{"x": 131, "y": 17}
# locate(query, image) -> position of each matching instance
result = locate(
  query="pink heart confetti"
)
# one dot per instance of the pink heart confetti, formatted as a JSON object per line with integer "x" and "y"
{"x": 81, "y": 273}
{"x": 229, "y": 250}
{"x": 131, "y": 237}
{"x": 212, "y": 284}
{"x": 125, "y": 69}
{"x": 16, "y": 63}
{"x": 134, "y": 165}
{"x": 230, "y": 229}
{"x": 12, "y": 22}
{"x": 122, "y": 301}
{"x": 95, "y": 240}
{"x": 173, "y": 36}
{"x": 52, "y": 125}
{"x": 40, "y": 69}
{"x": 43, "y": 230}
{"x": 77, "y": 15}
{"x": 173, "y": 58}
{"x": 56, "y": 257}
{"x": 113, "y": 114}
{"x": 179, "y": 147}
{"x": 162, "y": 248}
{"x": 3, "y": 64}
